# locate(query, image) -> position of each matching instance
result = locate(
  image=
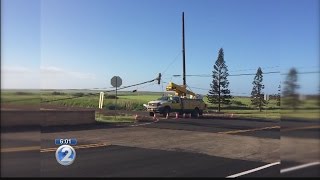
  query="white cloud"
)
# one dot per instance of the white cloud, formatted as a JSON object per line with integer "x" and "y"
{"x": 58, "y": 78}
{"x": 47, "y": 77}
{"x": 51, "y": 70}
{"x": 17, "y": 77}
{"x": 16, "y": 69}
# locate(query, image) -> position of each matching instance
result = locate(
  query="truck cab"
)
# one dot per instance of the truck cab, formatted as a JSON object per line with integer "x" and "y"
{"x": 159, "y": 105}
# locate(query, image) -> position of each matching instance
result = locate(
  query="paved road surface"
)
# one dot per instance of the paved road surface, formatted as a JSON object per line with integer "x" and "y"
{"x": 168, "y": 148}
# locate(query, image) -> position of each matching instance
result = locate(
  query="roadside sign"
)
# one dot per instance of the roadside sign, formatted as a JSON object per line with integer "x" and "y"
{"x": 116, "y": 81}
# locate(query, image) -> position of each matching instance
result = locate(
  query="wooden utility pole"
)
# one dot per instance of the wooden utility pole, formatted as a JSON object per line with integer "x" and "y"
{"x": 183, "y": 54}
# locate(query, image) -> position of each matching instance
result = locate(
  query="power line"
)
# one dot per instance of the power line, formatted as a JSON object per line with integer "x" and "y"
{"x": 270, "y": 67}
{"x": 144, "y": 86}
{"x": 231, "y": 92}
{"x": 133, "y": 85}
{"x": 173, "y": 61}
{"x": 200, "y": 88}
{"x": 244, "y": 74}
{"x": 300, "y": 67}
{"x": 249, "y": 74}
{"x": 307, "y": 72}
{"x": 42, "y": 101}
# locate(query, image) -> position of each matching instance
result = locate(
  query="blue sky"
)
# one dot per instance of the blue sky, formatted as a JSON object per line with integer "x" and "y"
{"x": 84, "y": 43}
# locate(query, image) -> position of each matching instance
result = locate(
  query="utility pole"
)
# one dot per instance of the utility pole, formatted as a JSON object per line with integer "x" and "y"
{"x": 183, "y": 54}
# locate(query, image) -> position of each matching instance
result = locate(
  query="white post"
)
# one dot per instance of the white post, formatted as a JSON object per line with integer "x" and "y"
{"x": 101, "y": 100}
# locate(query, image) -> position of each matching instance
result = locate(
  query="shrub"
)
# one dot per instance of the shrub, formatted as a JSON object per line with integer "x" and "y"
{"x": 79, "y": 94}
{"x": 57, "y": 93}
{"x": 238, "y": 103}
{"x": 23, "y": 93}
{"x": 111, "y": 97}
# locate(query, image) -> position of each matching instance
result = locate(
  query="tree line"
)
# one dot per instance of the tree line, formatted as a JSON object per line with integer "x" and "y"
{"x": 219, "y": 92}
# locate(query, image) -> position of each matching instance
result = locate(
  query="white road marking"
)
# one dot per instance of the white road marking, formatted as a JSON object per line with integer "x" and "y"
{"x": 298, "y": 167}
{"x": 253, "y": 170}
{"x": 249, "y": 130}
{"x": 300, "y": 128}
{"x": 19, "y": 149}
{"x": 143, "y": 124}
{"x": 84, "y": 146}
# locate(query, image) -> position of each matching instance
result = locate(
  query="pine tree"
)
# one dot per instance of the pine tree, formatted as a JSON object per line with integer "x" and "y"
{"x": 257, "y": 96}
{"x": 290, "y": 95}
{"x": 219, "y": 92}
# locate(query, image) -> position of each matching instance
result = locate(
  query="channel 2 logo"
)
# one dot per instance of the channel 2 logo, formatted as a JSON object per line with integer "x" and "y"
{"x": 65, "y": 155}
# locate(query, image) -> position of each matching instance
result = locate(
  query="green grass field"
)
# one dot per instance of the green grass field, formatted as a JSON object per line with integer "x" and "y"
{"x": 114, "y": 119}
{"x": 307, "y": 114}
{"x": 20, "y": 97}
{"x": 125, "y": 101}
{"x": 242, "y": 103}
{"x": 256, "y": 114}
{"x": 240, "y": 106}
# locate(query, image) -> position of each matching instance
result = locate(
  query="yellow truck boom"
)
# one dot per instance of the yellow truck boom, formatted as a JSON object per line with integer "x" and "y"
{"x": 180, "y": 90}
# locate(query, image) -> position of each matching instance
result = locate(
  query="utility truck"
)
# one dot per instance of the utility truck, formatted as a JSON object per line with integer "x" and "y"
{"x": 179, "y": 102}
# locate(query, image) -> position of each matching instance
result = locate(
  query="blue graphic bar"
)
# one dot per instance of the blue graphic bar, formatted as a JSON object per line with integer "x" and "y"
{"x": 72, "y": 141}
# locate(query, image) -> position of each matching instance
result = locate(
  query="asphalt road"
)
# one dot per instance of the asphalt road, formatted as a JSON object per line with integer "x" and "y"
{"x": 223, "y": 126}
{"x": 21, "y": 164}
{"x": 300, "y": 129}
{"x": 303, "y": 138}
{"x": 128, "y": 161}
{"x": 119, "y": 161}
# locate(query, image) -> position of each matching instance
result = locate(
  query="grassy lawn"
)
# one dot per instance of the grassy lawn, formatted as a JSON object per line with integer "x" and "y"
{"x": 139, "y": 98}
{"x": 90, "y": 99}
{"x": 114, "y": 119}
{"x": 240, "y": 106}
{"x": 253, "y": 114}
{"x": 242, "y": 102}
{"x": 307, "y": 114}
{"x": 20, "y": 97}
